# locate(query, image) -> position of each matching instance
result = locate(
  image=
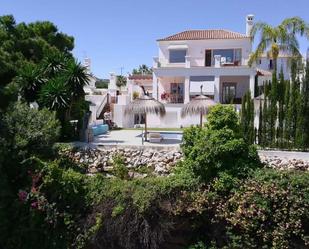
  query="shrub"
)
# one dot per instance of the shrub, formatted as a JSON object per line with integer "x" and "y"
{"x": 218, "y": 147}
{"x": 221, "y": 117}
{"x": 120, "y": 169}
{"x": 271, "y": 210}
{"x": 30, "y": 131}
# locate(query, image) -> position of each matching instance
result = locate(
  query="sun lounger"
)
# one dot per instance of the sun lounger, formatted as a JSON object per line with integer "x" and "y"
{"x": 155, "y": 137}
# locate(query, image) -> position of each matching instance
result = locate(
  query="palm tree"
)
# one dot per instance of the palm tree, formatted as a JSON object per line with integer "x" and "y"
{"x": 29, "y": 81}
{"x": 121, "y": 81}
{"x": 279, "y": 38}
{"x": 54, "y": 63}
{"x": 76, "y": 77}
{"x": 55, "y": 95}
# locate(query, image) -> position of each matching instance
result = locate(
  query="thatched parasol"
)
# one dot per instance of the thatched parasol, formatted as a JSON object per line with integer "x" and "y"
{"x": 145, "y": 105}
{"x": 199, "y": 105}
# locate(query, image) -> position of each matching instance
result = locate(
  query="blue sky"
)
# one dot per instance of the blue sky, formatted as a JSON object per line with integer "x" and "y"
{"x": 123, "y": 33}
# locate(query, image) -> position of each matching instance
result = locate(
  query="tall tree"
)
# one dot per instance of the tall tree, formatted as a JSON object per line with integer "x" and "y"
{"x": 281, "y": 109}
{"x": 273, "y": 99}
{"x": 305, "y": 86}
{"x": 260, "y": 128}
{"x": 278, "y": 38}
{"x": 247, "y": 118}
{"x": 21, "y": 43}
{"x": 142, "y": 69}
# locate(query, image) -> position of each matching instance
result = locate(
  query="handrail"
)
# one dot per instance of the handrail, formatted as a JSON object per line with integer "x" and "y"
{"x": 102, "y": 105}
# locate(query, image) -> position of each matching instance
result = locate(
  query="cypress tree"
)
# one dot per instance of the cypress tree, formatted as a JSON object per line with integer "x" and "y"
{"x": 266, "y": 125}
{"x": 287, "y": 116}
{"x": 303, "y": 113}
{"x": 273, "y": 96}
{"x": 281, "y": 111}
{"x": 252, "y": 131}
{"x": 306, "y": 106}
{"x": 293, "y": 106}
{"x": 260, "y": 129}
{"x": 247, "y": 118}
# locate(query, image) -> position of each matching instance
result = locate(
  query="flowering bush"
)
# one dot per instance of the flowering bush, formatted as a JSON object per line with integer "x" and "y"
{"x": 165, "y": 96}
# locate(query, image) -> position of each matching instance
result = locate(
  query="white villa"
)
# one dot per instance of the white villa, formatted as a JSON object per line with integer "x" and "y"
{"x": 216, "y": 59}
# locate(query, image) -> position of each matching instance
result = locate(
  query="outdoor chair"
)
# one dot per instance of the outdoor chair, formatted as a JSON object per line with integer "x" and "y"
{"x": 155, "y": 138}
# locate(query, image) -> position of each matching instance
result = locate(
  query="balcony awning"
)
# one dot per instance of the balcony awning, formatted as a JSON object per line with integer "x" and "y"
{"x": 208, "y": 83}
{"x": 178, "y": 46}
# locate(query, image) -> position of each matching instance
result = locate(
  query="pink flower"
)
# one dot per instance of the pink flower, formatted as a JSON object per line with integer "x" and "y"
{"x": 22, "y": 195}
{"x": 34, "y": 204}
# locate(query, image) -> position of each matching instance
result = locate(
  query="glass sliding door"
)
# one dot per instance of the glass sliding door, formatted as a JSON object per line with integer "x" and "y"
{"x": 177, "y": 93}
{"x": 228, "y": 93}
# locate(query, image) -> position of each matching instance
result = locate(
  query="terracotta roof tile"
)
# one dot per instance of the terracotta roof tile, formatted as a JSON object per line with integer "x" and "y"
{"x": 205, "y": 35}
{"x": 140, "y": 77}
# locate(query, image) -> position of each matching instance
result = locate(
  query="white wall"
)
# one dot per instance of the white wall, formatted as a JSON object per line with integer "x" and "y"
{"x": 243, "y": 84}
{"x": 172, "y": 119}
{"x": 282, "y": 62}
{"x": 196, "y": 49}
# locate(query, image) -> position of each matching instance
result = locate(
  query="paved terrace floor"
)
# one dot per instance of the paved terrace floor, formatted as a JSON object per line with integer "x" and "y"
{"x": 132, "y": 138}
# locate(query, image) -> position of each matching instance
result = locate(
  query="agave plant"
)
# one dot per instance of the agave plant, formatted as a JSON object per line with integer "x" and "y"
{"x": 281, "y": 38}
{"x": 55, "y": 95}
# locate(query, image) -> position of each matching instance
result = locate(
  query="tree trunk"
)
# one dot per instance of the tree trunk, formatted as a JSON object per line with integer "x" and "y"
{"x": 201, "y": 120}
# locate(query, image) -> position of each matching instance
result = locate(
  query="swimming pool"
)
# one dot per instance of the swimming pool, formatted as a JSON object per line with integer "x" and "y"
{"x": 171, "y": 135}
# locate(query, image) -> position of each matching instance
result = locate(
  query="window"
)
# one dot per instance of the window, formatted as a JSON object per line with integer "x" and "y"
{"x": 208, "y": 58}
{"x": 271, "y": 65}
{"x": 178, "y": 56}
{"x": 227, "y": 55}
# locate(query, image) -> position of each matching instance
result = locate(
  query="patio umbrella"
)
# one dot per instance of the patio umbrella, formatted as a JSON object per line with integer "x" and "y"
{"x": 199, "y": 105}
{"x": 145, "y": 105}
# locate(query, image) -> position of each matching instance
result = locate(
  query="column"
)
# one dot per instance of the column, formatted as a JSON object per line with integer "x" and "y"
{"x": 251, "y": 85}
{"x": 154, "y": 86}
{"x": 217, "y": 89}
{"x": 187, "y": 90}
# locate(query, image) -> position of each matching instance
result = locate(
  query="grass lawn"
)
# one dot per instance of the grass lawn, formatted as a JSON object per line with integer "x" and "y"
{"x": 156, "y": 129}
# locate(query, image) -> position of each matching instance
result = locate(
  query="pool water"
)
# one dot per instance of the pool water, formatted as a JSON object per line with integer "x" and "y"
{"x": 171, "y": 135}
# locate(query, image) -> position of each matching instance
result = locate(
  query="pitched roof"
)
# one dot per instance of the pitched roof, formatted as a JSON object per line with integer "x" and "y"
{"x": 140, "y": 77}
{"x": 204, "y": 35}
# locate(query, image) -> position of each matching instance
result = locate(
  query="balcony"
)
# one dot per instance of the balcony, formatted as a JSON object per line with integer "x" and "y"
{"x": 172, "y": 98}
{"x": 199, "y": 62}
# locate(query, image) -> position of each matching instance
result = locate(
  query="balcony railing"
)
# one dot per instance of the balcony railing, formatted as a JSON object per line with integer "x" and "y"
{"x": 172, "y": 98}
{"x": 192, "y": 62}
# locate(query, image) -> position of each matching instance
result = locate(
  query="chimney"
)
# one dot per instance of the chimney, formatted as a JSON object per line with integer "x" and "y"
{"x": 87, "y": 64}
{"x": 249, "y": 24}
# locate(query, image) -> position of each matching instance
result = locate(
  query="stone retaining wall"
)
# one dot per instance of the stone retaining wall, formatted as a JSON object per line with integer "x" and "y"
{"x": 158, "y": 162}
